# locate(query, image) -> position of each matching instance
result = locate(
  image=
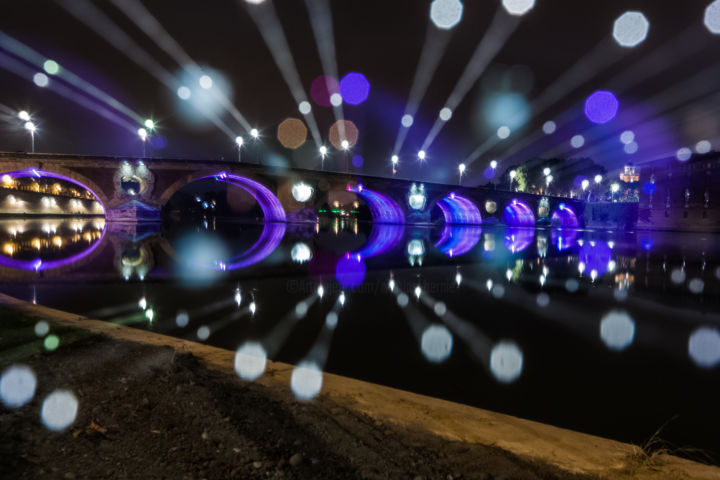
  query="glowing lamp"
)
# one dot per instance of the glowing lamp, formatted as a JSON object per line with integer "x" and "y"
{"x": 142, "y": 133}
{"x": 149, "y": 124}
{"x": 598, "y": 178}
{"x": 493, "y": 164}
{"x": 239, "y": 141}
{"x": 254, "y": 133}
{"x": 23, "y": 115}
{"x": 421, "y": 154}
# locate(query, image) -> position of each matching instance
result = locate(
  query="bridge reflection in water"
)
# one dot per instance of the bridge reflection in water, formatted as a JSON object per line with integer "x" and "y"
{"x": 487, "y": 315}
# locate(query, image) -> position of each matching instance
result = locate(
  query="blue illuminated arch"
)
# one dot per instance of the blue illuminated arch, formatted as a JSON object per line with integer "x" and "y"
{"x": 383, "y": 238}
{"x": 271, "y": 207}
{"x": 269, "y": 240}
{"x": 459, "y": 210}
{"x": 383, "y": 208}
{"x": 518, "y": 214}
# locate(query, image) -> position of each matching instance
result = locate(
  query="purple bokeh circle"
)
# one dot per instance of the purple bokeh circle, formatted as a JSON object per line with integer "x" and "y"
{"x": 350, "y": 271}
{"x": 354, "y": 88}
{"x": 601, "y": 106}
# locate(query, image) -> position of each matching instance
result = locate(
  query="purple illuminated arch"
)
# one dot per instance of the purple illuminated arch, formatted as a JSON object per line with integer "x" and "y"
{"x": 37, "y": 173}
{"x": 383, "y": 208}
{"x": 518, "y": 214}
{"x": 37, "y": 265}
{"x": 383, "y": 238}
{"x": 459, "y": 210}
{"x": 272, "y": 209}
{"x": 457, "y": 240}
{"x": 518, "y": 239}
{"x": 564, "y": 216}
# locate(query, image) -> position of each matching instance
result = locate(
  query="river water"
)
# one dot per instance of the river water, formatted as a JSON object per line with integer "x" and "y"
{"x": 611, "y": 333}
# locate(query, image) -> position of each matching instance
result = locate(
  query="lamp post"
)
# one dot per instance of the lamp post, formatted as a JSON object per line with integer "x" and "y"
{"x": 239, "y": 142}
{"x": 142, "y": 133}
{"x": 512, "y": 175}
{"x": 585, "y": 183}
{"x": 394, "y": 160}
{"x": 255, "y": 134}
{"x": 323, "y": 152}
{"x": 30, "y": 127}
{"x": 548, "y": 179}
{"x": 346, "y": 146}
{"x": 598, "y": 181}
{"x": 613, "y": 188}
{"x": 461, "y": 170}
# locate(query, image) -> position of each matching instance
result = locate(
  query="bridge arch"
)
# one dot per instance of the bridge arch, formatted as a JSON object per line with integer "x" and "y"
{"x": 564, "y": 216}
{"x": 518, "y": 214}
{"x": 382, "y": 208}
{"x": 269, "y": 203}
{"x": 59, "y": 173}
{"x": 459, "y": 210}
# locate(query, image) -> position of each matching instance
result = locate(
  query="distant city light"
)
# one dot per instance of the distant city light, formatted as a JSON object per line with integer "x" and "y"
{"x": 336, "y": 99}
{"x": 703, "y": 146}
{"x": 51, "y": 67}
{"x": 577, "y": 141}
{"x": 627, "y": 137}
{"x": 445, "y": 14}
{"x": 684, "y": 154}
{"x": 631, "y": 148}
{"x": 421, "y": 154}
{"x": 254, "y": 133}
{"x": 23, "y": 115}
{"x": 41, "y": 80}
{"x": 630, "y": 29}
{"x": 407, "y": 120}
{"x": 601, "y": 106}
{"x": 205, "y": 82}
{"x": 518, "y": 7}
{"x": 304, "y": 107}
{"x": 445, "y": 114}
{"x": 184, "y": 93}
{"x": 354, "y": 88}
{"x": 549, "y": 127}
{"x": 712, "y": 17}
{"x": 503, "y": 132}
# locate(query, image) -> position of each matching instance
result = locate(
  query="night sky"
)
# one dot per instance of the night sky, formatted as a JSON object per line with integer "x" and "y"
{"x": 382, "y": 40}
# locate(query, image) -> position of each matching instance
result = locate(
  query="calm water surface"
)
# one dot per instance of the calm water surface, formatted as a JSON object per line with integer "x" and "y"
{"x": 611, "y": 333}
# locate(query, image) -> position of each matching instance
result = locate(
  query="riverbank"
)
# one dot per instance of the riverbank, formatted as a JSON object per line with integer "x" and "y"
{"x": 152, "y": 406}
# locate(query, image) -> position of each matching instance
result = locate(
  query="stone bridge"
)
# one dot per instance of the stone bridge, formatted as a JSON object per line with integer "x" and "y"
{"x": 132, "y": 189}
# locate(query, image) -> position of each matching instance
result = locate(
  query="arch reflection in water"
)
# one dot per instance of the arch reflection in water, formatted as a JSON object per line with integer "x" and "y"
{"x": 564, "y": 216}
{"x": 459, "y": 210}
{"x": 518, "y": 239}
{"x": 383, "y": 238}
{"x": 595, "y": 256}
{"x": 458, "y": 240}
{"x": 47, "y": 244}
{"x": 382, "y": 208}
{"x": 564, "y": 239}
{"x": 518, "y": 214}
{"x": 38, "y": 173}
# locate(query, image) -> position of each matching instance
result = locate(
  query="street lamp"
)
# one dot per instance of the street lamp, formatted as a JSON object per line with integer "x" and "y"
{"x": 239, "y": 142}
{"x": 548, "y": 179}
{"x": 546, "y": 171}
{"x": 323, "y": 152}
{"x": 585, "y": 184}
{"x": 394, "y": 160}
{"x": 254, "y": 133}
{"x": 512, "y": 175}
{"x": 493, "y": 164}
{"x": 613, "y": 188}
{"x": 24, "y": 116}
{"x": 142, "y": 133}
{"x": 422, "y": 154}
{"x": 30, "y": 127}
{"x": 598, "y": 178}
{"x": 461, "y": 169}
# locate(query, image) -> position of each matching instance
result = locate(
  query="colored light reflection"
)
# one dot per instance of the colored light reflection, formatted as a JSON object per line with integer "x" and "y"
{"x": 595, "y": 257}
{"x": 518, "y": 239}
{"x": 383, "y": 237}
{"x": 459, "y": 210}
{"x": 649, "y": 188}
{"x": 269, "y": 240}
{"x": 350, "y": 271}
{"x": 518, "y": 214}
{"x": 382, "y": 208}
{"x": 269, "y": 204}
{"x": 457, "y": 240}
{"x": 601, "y": 106}
{"x": 564, "y": 216}
{"x": 354, "y": 88}
{"x": 322, "y": 88}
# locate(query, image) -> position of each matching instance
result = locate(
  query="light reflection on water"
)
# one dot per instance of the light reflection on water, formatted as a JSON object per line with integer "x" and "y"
{"x": 488, "y": 316}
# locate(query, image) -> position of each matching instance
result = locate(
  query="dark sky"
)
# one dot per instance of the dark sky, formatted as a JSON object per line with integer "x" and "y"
{"x": 382, "y": 39}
